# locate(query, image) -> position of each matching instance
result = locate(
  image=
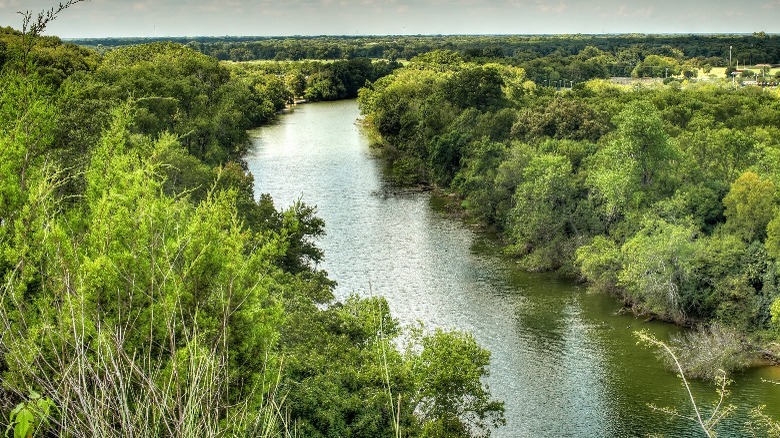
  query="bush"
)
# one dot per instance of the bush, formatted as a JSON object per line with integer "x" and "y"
{"x": 706, "y": 350}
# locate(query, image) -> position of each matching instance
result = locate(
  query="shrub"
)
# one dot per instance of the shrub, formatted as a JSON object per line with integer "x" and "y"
{"x": 706, "y": 350}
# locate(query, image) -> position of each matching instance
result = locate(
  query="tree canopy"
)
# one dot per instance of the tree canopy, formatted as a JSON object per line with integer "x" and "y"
{"x": 146, "y": 291}
{"x": 665, "y": 195}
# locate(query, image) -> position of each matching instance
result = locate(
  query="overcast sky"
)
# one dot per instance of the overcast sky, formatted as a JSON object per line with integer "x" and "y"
{"x": 100, "y": 18}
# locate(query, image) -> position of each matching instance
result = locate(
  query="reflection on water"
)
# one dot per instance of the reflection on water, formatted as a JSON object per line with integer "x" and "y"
{"x": 562, "y": 359}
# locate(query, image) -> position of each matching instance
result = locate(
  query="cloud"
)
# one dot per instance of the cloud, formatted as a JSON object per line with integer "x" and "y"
{"x": 141, "y": 6}
{"x": 519, "y": 4}
{"x": 733, "y": 13}
{"x": 545, "y": 7}
{"x": 772, "y": 5}
{"x": 626, "y": 12}
{"x": 214, "y": 6}
{"x": 16, "y": 5}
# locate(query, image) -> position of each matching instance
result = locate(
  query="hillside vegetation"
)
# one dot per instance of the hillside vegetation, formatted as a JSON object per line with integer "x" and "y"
{"x": 146, "y": 292}
{"x": 664, "y": 195}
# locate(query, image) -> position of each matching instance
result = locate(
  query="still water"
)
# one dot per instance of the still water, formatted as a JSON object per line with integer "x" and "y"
{"x": 563, "y": 360}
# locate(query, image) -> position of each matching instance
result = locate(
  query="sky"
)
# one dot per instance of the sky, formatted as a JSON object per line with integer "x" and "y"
{"x": 160, "y": 18}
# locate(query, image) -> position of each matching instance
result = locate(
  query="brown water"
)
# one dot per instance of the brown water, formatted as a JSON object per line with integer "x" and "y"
{"x": 563, "y": 360}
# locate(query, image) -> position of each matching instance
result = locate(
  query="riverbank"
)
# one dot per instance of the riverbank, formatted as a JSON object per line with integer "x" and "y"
{"x": 608, "y": 184}
{"x": 563, "y": 359}
{"x": 762, "y": 352}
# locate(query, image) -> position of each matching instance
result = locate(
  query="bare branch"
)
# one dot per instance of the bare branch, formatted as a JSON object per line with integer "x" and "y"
{"x": 35, "y": 28}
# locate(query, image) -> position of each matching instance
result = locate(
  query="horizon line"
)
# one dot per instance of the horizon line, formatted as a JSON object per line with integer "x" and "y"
{"x": 610, "y": 34}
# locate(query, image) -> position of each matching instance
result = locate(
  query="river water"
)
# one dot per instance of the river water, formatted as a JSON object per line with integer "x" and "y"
{"x": 563, "y": 360}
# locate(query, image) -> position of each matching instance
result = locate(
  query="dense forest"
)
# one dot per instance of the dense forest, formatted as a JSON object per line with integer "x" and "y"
{"x": 146, "y": 292}
{"x": 546, "y": 58}
{"x": 756, "y": 48}
{"x": 663, "y": 195}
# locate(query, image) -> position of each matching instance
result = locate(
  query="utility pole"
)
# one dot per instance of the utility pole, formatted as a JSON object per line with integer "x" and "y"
{"x": 729, "y": 56}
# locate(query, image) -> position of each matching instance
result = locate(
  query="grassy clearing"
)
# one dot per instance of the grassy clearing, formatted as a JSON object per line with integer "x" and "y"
{"x": 720, "y": 72}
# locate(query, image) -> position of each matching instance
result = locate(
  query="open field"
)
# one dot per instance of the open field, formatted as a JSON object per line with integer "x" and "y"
{"x": 720, "y": 72}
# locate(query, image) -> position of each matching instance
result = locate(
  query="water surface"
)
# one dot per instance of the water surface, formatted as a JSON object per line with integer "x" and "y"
{"x": 564, "y": 361}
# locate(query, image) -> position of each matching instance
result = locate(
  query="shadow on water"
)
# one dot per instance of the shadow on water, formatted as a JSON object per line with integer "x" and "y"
{"x": 564, "y": 360}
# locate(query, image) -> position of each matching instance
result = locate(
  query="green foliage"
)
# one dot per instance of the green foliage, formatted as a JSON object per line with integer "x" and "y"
{"x": 26, "y": 121}
{"x": 448, "y": 394}
{"x": 573, "y": 57}
{"x": 731, "y": 275}
{"x": 123, "y": 256}
{"x": 347, "y": 378}
{"x": 599, "y": 262}
{"x": 321, "y": 86}
{"x": 279, "y": 83}
{"x": 477, "y": 87}
{"x": 762, "y": 424}
{"x": 438, "y": 60}
{"x": 186, "y": 93}
{"x": 773, "y": 237}
{"x": 657, "y": 67}
{"x": 445, "y": 155}
{"x": 642, "y": 139}
{"x": 147, "y": 292}
{"x": 561, "y": 119}
{"x": 28, "y": 50}
{"x": 542, "y": 220}
{"x": 635, "y": 189}
{"x": 635, "y": 162}
{"x": 750, "y": 205}
{"x": 657, "y": 271}
{"x": 475, "y": 181}
{"x": 30, "y": 416}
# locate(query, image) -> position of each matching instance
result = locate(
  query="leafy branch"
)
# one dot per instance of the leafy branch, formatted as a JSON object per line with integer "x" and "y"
{"x": 33, "y": 28}
{"x": 719, "y": 412}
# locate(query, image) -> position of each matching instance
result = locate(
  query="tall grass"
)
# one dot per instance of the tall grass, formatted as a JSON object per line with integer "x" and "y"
{"x": 102, "y": 388}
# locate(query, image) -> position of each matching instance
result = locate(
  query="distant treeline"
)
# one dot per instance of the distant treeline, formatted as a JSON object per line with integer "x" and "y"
{"x": 756, "y": 48}
{"x": 547, "y": 60}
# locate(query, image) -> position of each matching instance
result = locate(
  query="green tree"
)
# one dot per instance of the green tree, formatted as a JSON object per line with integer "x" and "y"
{"x": 476, "y": 179}
{"x": 346, "y": 377}
{"x": 27, "y": 123}
{"x": 184, "y": 92}
{"x": 600, "y": 262}
{"x": 633, "y": 167}
{"x": 449, "y": 397}
{"x": 296, "y": 82}
{"x": 750, "y": 205}
{"x": 477, "y": 87}
{"x": 657, "y": 271}
{"x": 132, "y": 273}
{"x": 657, "y": 67}
{"x": 561, "y": 119}
{"x": 541, "y": 221}
{"x": 438, "y": 60}
{"x": 445, "y": 155}
{"x": 773, "y": 236}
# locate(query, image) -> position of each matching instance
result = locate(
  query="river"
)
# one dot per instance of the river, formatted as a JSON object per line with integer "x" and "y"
{"x": 563, "y": 359}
